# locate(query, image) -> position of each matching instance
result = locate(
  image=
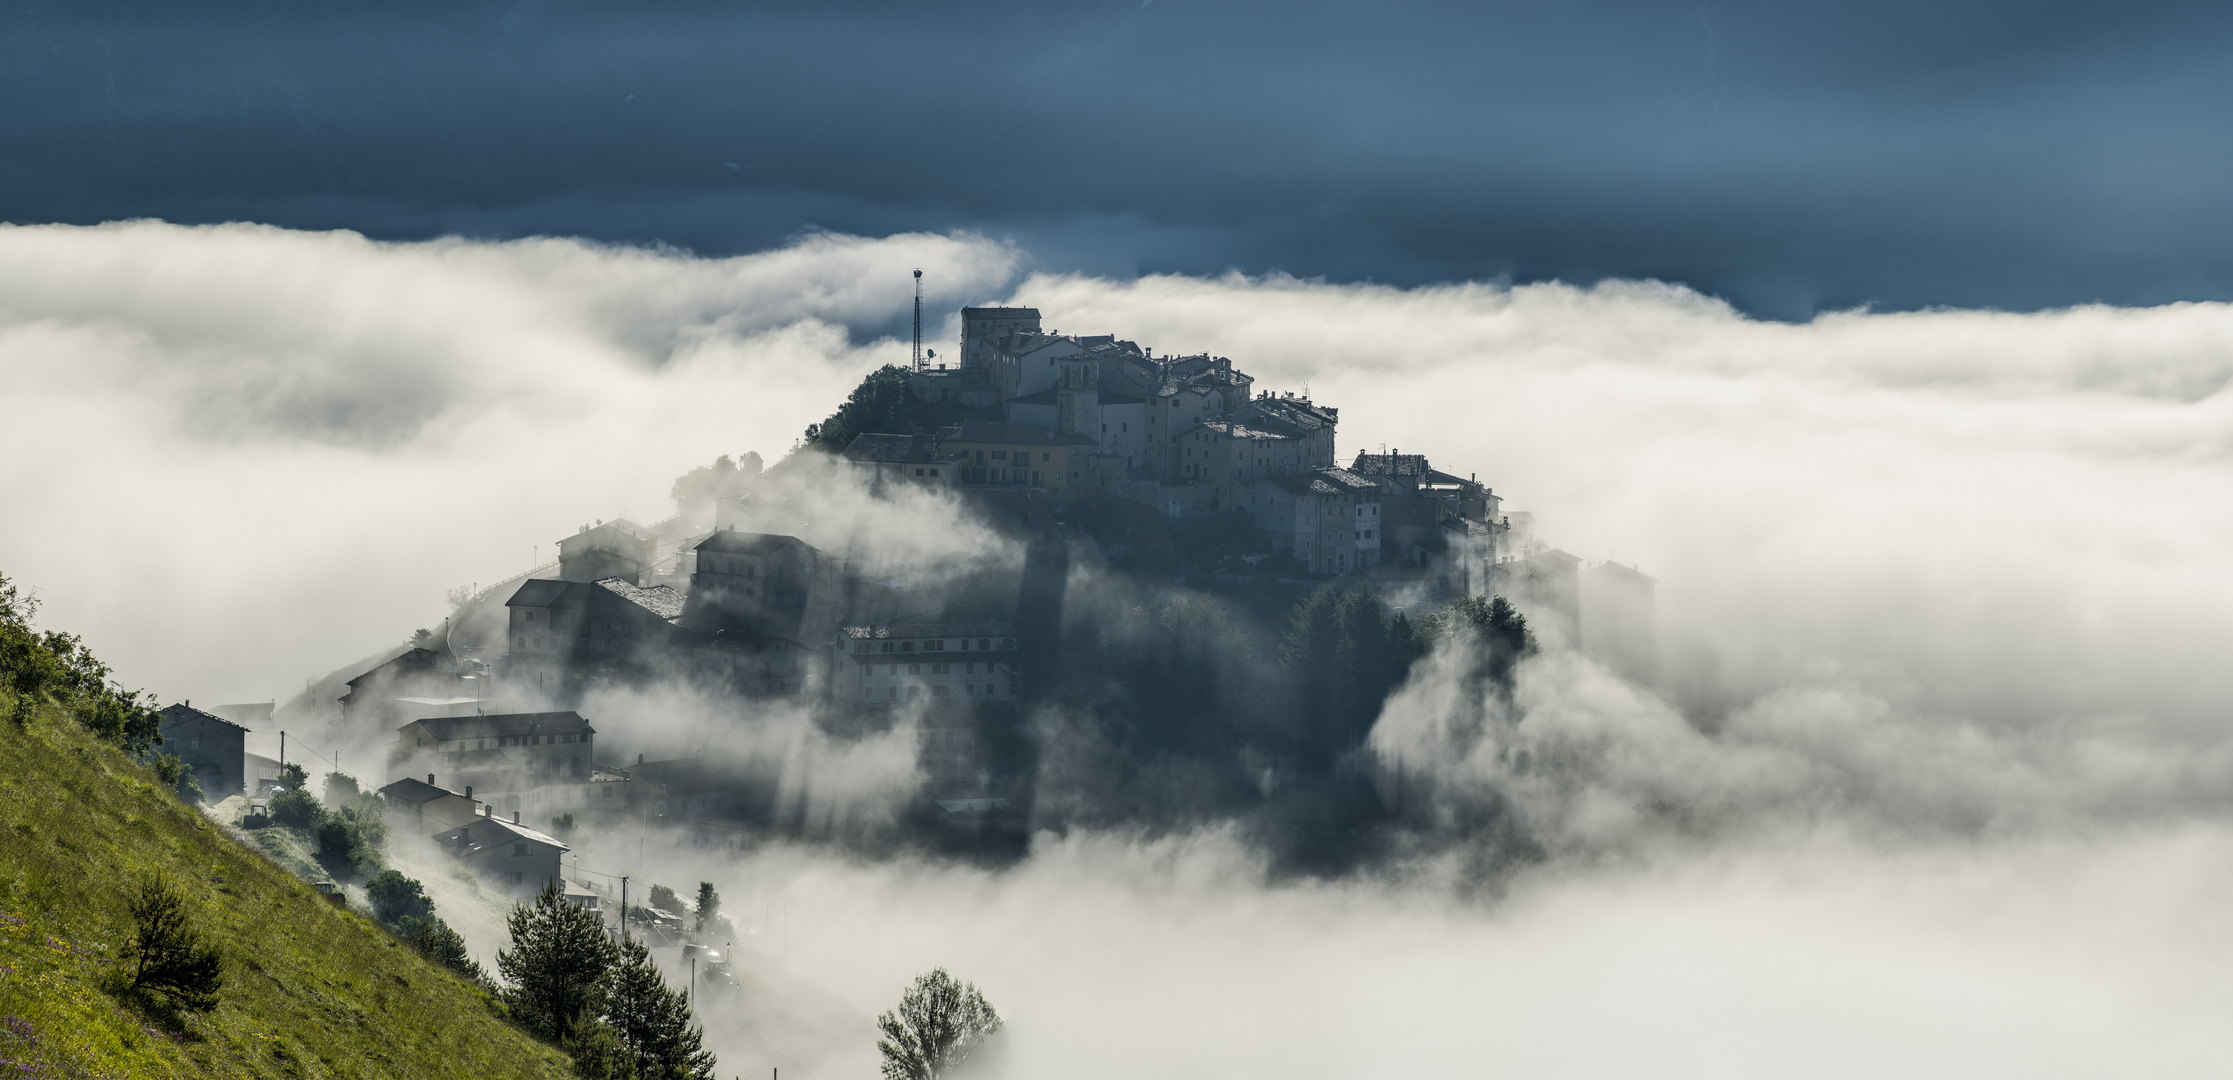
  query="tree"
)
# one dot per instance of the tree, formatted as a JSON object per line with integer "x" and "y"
{"x": 562, "y": 826}
{"x": 695, "y": 491}
{"x": 36, "y": 667}
{"x": 432, "y": 938}
{"x": 297, "y": 809}
{"x": 293, "y": 776}
{"x": 396, "y": 898}
{"x": 167, "y": 951}
{"x": 653, "y": 1019}
{"x": 664, "y": 899}
{"x": 709, "y": 905}
{"x": 1348, "y": 652}
{"x": 938, "y": 1024}
{"x": 558, "y": 964}
{"x": 1495, "y": 626}
{"x": 599, "y": 1052}
{"x": 341, "y": 790}
{"x": 878, "y": 404}
{"x": 343, "y": 848}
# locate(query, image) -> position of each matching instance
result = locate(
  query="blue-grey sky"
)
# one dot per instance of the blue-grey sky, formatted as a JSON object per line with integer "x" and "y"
{"x": 1789, "y": 157}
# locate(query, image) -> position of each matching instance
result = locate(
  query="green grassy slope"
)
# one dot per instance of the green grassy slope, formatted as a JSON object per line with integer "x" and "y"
{"x": 310, "y": 990}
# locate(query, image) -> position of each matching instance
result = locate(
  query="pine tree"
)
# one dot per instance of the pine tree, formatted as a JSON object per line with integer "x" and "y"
{"x": 653, "y": 1019}
{"x": 167, "y": 952}
{"x": 558, "y": 965}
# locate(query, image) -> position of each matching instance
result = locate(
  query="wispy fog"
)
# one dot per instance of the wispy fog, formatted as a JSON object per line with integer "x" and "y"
{"x": 1933, "y": 779}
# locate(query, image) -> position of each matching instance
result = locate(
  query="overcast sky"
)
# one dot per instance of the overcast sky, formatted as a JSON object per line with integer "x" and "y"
{"x": 1789, "y": 157}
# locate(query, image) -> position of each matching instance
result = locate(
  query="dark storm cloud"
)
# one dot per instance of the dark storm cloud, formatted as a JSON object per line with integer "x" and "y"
{"x": 1789, "y": 157}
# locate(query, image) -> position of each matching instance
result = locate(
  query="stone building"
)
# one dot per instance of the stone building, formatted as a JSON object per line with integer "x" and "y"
{"x": 499, "y": 753}
{"x": 1327, "y": 519}
{"x": 922, "y": 662}
{"x": 610, "y": 549}
{"x": 215, "y": 748}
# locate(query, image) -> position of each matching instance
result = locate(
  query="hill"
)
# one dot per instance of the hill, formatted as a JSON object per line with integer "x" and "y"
{"x": 310, "y": 990}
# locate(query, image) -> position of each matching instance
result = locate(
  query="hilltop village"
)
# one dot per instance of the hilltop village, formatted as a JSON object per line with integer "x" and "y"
{"x": 1092, "y": 451}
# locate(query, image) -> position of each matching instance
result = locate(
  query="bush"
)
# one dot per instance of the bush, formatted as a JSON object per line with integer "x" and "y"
{"x": 179, "y": 777}
{"x": 167, "y": 952}
{"x": 341, "y": 790}
{"x": 53, "y": 665}
{"x": 297, "y": 809}
{"x": 432, "y": 938}
{"x": 396, "y": 898}
{"x": 665, "y": 900}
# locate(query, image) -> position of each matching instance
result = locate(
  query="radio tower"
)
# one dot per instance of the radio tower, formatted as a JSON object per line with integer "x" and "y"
{"x": 918, "y": 360}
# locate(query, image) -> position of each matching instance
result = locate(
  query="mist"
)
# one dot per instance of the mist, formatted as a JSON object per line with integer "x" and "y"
{"x": 1932, "y": 779}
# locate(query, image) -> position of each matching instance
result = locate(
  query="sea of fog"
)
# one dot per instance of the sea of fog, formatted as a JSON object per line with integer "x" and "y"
{"x": 1934, "y": 780}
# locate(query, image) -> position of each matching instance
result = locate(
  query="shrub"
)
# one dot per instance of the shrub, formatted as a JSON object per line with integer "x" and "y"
{"x": 396, "y": 898}
{"x": 297, "y": 809}
{"x": 167, "y": 952}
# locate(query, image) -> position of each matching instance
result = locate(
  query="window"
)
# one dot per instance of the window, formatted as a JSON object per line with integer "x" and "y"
{"x": 969, "y": 669}
{"x": 907, "y": 646}
{"x": 918, "y": 472}
{"x": 1045, "y": 456}
{"x": 970, "y": 689}
{"x": 984, "y": 643}
{"x": 519, "y": 850}
{"x": 938, "y": 691}
{"x": 887, "y": 646}
{"x": 1000, "y": 455}
{"x": 513, "y": 877}
{"x": 914, "y": 669}
{"x": 988, "y": 689}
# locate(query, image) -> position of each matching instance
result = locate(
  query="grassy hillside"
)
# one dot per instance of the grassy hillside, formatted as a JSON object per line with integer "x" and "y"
{"x": 310, "y": 990}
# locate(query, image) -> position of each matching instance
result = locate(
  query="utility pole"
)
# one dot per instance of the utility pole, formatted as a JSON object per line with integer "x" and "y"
{"x": 623, "y": 907}
{"x": 918, "y": 355}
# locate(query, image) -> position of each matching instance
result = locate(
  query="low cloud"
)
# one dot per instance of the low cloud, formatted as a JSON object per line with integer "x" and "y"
{"x": 1930, "y": 780}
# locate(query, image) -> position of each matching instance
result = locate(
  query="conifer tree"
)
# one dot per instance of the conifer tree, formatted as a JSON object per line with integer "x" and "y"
{"x": 653, "y": 1020}
{"x": 558, "y": 965}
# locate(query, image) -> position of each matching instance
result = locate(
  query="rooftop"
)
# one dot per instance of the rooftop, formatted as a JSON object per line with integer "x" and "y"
{"x": 747, "y": 543}
{"x": 415, "y": 791}
{"x": 500, "y": 724}
{"x": 931, "y": 630}
{"x": 661, "y": 600}
{"x": 1322, "y": 482}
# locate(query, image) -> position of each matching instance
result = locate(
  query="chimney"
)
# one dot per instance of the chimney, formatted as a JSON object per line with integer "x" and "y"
{"x": 430, "y": 779}
{"x": 468, "y": 791}
{"x": 515, "y": 817}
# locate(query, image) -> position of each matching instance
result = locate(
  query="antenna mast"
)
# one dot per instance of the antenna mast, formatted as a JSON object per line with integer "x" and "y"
{"x": 918, "y": 358}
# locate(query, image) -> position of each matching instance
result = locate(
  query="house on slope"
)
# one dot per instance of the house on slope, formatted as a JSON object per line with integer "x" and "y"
{"x": 516, "y": 858}
{"x": 501, "y": 752}
{"x": 435, "y": 809}
{"x": 215, "y": 748}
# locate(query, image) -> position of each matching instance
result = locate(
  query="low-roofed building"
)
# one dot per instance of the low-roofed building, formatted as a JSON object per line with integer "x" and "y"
{"x": 515, "y": 857}
{"x": 435, "y": 809}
